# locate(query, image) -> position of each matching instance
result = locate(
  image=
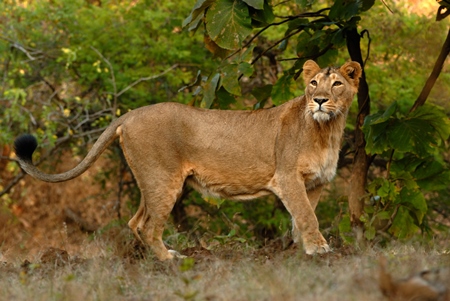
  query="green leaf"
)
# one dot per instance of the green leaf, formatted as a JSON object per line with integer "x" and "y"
{"x": 387, "y": 190}
{"x": 345, "y": 229}
{"x": 428, "y": 168}
{"x": 412, "y": 135}
{"x": 343, "y": 10}
{"x": 366, "y": 5}
{"x": 430, "y": 173}
{"x": 420, "y": 132}
{"x": 209, "y": 89}
{"x": 246, "y": 56}
{"x": 224, "y": 98}
{"x": 375, "y": 134}
{"x": 369, "y": 234}
{"x": 338, "y": 38}
{"x": 263, "y": 17}
{"x": 230, "y": 74}
{"x": 305, "y": 48}
{"x": 383, "y": 215}
{"x": 406, "y": 180}
{"x": 408, "y": 163}
{"x": 228, "y": 23}
{"x": 435, "y": 182}
{"x": 317, "y": 35}
{"x": 403, "y": 225}
{"x": 197, "y": 11}
{"x": 381, "y": 117}
{"x": 245, "y": 69}
{"x": 329, "y": 58}
{"x": 198, "y": 80}
{"x": 415, "y": 199}
{"x": 187, "y": 264}
{"x": 282, "y": 90}
{"x": 296, "y": 24}
{"x": 258, "y": 4}
{"x": 436, "y": 117}
{"x": 261, "y": 94}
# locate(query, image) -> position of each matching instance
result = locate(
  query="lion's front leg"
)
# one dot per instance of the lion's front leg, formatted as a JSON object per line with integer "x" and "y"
{"x": 313, "y": 197}
{"x": 292, "y": 193}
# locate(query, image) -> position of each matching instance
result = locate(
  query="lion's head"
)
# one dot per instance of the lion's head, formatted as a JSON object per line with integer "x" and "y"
{"x": 329, "y": 91}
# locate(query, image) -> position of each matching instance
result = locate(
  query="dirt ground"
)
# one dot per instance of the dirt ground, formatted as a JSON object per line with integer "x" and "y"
{"x": 39, "y": 215}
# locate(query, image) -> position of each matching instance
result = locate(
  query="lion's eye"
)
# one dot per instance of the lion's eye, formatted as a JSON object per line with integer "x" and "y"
{"x": 337, "y": 84}
{"x": 313, "y": 83}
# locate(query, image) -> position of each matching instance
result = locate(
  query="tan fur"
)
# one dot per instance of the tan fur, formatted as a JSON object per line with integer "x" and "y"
{"x": 428, "y": 285}
{"x": 290, "y": 150}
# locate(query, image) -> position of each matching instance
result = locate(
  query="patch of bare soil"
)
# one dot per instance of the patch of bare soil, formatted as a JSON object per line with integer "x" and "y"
{"x": 60, "y": 215}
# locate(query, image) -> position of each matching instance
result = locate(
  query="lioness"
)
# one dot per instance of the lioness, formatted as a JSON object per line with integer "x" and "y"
{"x": 290, "y": 151}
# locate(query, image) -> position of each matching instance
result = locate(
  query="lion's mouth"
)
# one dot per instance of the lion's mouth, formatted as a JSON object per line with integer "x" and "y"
{"x": 320, "y": 115}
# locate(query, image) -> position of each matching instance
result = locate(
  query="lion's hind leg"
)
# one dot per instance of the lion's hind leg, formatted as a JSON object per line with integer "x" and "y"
{"x": 158, "y": 199}
{"x": 135, "y": 223}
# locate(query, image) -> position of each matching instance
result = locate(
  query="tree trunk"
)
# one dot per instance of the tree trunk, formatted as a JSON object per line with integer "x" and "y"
{"x": 361, "y": 160}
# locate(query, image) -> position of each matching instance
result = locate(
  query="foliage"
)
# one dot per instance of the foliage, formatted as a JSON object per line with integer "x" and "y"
{"x": 402, "y": 50}
{"x": 228, "y": 25}
{"x": 413, "y": 144}
{"x": 70, "y": 67}
{"x": 261, "y": 219}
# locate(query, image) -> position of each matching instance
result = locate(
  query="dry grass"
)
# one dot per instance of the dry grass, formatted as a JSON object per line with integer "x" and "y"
{"x": 112, "y": 271}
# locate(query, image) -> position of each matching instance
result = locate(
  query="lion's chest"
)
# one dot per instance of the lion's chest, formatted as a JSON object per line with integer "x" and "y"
{"x": 320, "y": 168}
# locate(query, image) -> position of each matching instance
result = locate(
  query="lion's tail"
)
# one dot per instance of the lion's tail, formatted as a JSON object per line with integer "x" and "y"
{"x": 26, "y": 144}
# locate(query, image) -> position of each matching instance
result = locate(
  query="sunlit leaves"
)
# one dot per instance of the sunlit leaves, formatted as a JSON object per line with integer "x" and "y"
{"x": 228, "y": 23}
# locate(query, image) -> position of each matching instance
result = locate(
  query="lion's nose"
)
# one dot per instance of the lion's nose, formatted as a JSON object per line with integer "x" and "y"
{"x": 320, "y": 101}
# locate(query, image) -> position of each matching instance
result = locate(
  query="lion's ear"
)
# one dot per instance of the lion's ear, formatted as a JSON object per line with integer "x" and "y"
{"x": 352, "y": 72}
{"x": 310, "y": 68}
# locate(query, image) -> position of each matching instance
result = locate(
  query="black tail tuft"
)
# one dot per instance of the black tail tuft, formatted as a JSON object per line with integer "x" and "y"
{"x": 25, "y": 146}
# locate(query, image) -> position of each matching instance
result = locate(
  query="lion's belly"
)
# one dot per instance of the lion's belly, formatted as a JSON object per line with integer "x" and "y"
{"x": 232, "y": 189}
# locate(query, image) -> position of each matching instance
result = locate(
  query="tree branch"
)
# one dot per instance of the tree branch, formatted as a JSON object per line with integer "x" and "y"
{"x": 434, "y": 74}
{"x": 288, "y": 18}
{"x": 113, "y": 78}
{"x": 145, "y": 79}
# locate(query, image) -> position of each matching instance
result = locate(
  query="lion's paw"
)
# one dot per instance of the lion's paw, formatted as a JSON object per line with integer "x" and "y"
{"x": 315, "y": 244}
{"x": 317, "y": 249}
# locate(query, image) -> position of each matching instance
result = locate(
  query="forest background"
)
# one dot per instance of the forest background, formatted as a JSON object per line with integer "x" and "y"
{"x": 70, "y": 67}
